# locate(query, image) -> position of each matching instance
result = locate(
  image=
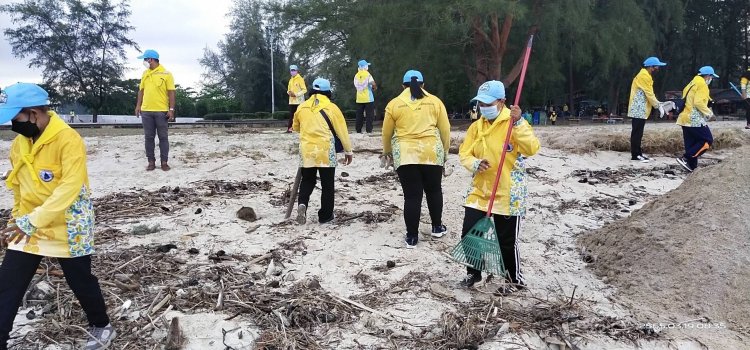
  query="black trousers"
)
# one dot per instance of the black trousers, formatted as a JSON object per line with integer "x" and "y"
{"x": 747, "y": 110}
{"x": 292, "y": 110}
{"x": 697, "y": 140}
{"x": 636, "y": 135}
{"x": 365, "y": 114}
{"x": 307, "y": 185}
{"x": 508, "y": 228}
{"x": 415, "y": 180}
{"x": 17, "y": 271}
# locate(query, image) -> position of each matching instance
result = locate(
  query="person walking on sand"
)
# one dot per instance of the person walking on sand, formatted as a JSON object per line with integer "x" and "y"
{"x": 296, "y": 91}
{"x": 480, "y": 153}
{"x": 416, "y": 139}
{"x": 642, "y": 100}
{"x": 694, "y": 118}
{"x": 552, "y": 117}
{"x": 155, "y": 107}
{"x": 52, "y": 214}
{"x": 745, "y": 91}
{"x": 364, "y": 83}
{"x": 320, "y": 124}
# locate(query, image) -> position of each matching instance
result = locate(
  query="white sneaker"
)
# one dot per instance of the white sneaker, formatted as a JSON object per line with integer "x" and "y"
{"x": 643, "y": 159}
{"x": 301, "y": 214}
{"x": 100, "y": 338}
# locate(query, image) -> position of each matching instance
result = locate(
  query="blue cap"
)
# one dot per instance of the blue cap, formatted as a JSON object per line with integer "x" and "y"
{"x": 293, "y": 67}
{"x": 18, "y": 96}
{"x": 413, "y": 73}
{"x": 653, "y": 61}
{"x": 321, "y": 84}
{"x": 363, "y": 64}
{"x": 149, "y": 54}
{"x": 490, "y": 91}
{"x": 707, "y": 70}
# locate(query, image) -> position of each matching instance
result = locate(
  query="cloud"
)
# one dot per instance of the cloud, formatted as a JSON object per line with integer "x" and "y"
{"x": 178, "y": 30}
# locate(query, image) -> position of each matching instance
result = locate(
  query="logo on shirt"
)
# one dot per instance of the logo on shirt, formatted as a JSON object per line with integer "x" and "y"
{"x": 510, "y": 148}
{"x": 46, "y": 175}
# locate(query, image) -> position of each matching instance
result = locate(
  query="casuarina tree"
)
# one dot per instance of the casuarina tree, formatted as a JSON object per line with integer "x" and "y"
{"x": 79, "y": 45}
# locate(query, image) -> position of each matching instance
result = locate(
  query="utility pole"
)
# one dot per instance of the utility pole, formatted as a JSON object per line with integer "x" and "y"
{"x": 273, "y": 98}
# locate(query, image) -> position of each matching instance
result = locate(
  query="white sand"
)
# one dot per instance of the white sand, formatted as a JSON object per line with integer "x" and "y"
{"x": 336, "y": 253}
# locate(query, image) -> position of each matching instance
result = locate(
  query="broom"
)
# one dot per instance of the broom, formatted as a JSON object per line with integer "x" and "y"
{"x": 480, "y": 247}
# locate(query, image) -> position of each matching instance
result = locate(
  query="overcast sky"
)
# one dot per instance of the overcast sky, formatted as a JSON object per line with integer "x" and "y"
{"x": 177, "y": 29}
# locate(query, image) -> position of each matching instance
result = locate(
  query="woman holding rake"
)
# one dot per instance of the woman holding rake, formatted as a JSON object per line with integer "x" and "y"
{"x": 480, "y": 153}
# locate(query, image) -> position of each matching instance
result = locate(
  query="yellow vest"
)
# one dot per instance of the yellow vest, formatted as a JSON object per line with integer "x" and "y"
{"x": 316, "y": 143}
{"x": 642, "y": 97}
{"x": 484, "y": 140}
{"x": 416, "y": 132}
{"x": 363, "y": 83}
{"x": 51, "y": 197}
{"x": 298, "y": 88}
{"x": 696, "y": 111}
{"x": 155, "y": 83}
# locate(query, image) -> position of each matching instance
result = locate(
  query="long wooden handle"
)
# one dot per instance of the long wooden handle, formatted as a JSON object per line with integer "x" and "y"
{"x": 510, "y": 127}
{"x": 293, "y": 194}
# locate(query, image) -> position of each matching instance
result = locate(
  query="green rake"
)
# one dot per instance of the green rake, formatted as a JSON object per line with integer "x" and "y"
{"x": 480, "y": 247}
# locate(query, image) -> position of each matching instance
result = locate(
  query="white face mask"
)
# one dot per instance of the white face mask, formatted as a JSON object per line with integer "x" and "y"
{"x": 709, "y": 80}
{"x": 146, "y": 64}
{"x": 293, "y": 73}
{"x": 490, "y": 112}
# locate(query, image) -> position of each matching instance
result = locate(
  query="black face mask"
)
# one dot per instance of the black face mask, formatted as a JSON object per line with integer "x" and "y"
{"x": 26, "y": 128}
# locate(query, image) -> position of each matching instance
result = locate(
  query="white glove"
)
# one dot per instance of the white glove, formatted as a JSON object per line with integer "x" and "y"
{"x": 666, "y": 107}
{"x": 386, "y": 161}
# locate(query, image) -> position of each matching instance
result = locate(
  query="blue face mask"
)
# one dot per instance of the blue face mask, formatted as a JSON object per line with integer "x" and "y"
{"x": 490, "y": 112}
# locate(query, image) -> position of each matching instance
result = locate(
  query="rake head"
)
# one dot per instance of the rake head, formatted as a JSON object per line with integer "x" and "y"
{"x": 480, "y": 249}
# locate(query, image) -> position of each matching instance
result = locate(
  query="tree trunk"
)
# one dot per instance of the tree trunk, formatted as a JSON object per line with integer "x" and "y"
{"x": 570, "y": 82}
{"x": 489, "y": 48}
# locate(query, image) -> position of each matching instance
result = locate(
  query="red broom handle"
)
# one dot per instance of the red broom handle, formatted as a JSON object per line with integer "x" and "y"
{"x": 510, "y": 127}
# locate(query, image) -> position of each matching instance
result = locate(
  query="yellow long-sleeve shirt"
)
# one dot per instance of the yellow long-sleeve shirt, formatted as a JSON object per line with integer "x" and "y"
{"x": 298, "y": 88}
{"x": 484, "y": 140}
{"x": 696, "y": 112}
{"x": 51, "y": 192}
{"x": 642, "y": 97}
{"x": 745, "y": 83}
{"x": 416, "y": 131}
{"x": 316, "y": 143}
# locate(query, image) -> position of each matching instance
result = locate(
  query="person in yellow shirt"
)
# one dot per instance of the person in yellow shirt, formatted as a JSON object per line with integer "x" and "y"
{"x": 321, "y": 128}
{"x": 364, "y": 83}
{"x": 553, "y": 117}
{"x": 480, "y": 153}
{"x": 52, "y": 213}
{"x": 745, "y": 91}
{"x": 694, "y": 118}
{"x": 296, "y": 89}
{"x": 416, "y": 139}
{"x": 642, "y": 100}
{"x": 155, "y": 107}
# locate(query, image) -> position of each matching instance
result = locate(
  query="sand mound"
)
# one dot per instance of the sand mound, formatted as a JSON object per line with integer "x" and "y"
{"x": 685, "y": 254}
{"x": 659, "y": 141}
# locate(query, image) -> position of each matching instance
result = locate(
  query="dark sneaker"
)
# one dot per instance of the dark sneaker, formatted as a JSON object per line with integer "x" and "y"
{"x": 643, "y": 159}
{"x": 439, "y": 231}
{"x": 151, "y": 166}
{"x": 684, "y": 164}
{"x": 411, "y": 242}
{"x": 100, "y": 338}
{"x": 470, "y": 280}
{"x": 301, "y": 214}
{"x": 328, "y": 221}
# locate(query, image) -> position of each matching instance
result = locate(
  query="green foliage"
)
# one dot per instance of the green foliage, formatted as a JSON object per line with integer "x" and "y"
{"x": 79, "y": 45}
{"x": 281, "y": 115}
{"x": 263, "y": 115}
{"x": 350, "y": 114}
